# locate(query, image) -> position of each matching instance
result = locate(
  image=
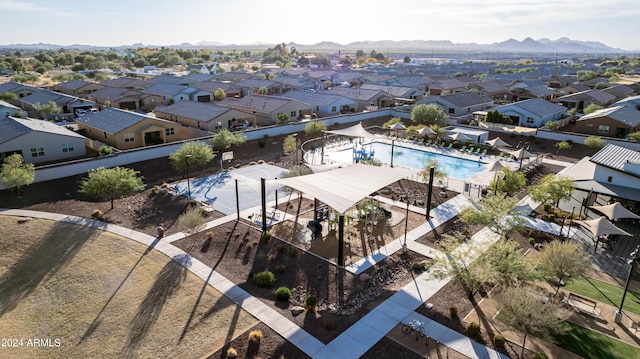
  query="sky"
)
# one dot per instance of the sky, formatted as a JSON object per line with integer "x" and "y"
{"x": 615, "y": 23}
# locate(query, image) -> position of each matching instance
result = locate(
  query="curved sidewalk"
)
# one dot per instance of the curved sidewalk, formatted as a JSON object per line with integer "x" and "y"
{"x": 352, "y": 343}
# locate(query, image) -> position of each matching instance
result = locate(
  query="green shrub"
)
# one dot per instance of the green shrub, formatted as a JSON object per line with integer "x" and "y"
{"x": 547, "y": 207}
{"x": 453, "y": 312}
{"x": 552, "y": 217}
{"x": 532, "y": 240}
{"x": 255, "y": 336}
{"x": 311, "y": 303}
{"x": 264, "y": 279}
{"x": 473, "y": 329}
{"x": 293, "y": 251}
{"x": 265, "y": 236}
{"x": 280, "y": 248}
{"x": 499, "y": 340}
{"x": 283, "y": 294}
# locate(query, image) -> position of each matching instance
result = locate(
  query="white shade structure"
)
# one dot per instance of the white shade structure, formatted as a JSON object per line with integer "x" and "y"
{"x": 615, "y": 211}
{"x": 498, "y": 142}
{"x": 601, "y": 226}
{"x": 521, "y": 154}
{"x": 398, "y": 126}
{"x": 458, "y": 136}
{"x": 426, "y": 131}
{"x": 494, "y": 166}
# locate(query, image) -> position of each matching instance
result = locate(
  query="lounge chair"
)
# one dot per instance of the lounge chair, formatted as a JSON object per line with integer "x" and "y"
{"x": 478, "y": 150}
{"x": 484, "y": 152}
{"x": 450, "y": 145}
{"x": 470, "y": 149}
{"x": 463, "y": 148}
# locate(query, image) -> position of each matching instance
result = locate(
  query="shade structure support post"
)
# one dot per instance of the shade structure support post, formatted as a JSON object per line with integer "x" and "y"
{"x": 264, "y": 204}
{"x": 432, "y": 172}
{"x": 237, "y": 200}
{"x": 392, "y": 146}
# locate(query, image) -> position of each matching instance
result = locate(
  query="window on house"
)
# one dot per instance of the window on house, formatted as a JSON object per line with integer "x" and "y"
{"x": 67, "y": 147}
{"x": 530, "y": 120}
{"x": 105, "y": 134}
{"x": 603, "y": 129}
{"x": 169, "y": 131}
{"x": 452, "y": 110}
{"x": 609, "y": 179}
{"x": 128, "y": 137}
{"x": 37, "y": 151}
{"x": 218, "y": 125}
{"x": 293, "y": 114}
{"x": 333, "y": 109}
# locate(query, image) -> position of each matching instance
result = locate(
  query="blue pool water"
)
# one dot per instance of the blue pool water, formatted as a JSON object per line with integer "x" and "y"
{"x": 455, "y": 167}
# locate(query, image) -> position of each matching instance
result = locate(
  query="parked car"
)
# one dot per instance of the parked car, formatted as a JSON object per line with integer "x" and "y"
{"x": 80, "y": 112}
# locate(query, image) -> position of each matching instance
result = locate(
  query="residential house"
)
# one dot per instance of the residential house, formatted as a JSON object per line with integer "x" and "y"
{"x": 619, "y": 91}
{"x": 253, "y": 86}
{"x": 445, "y": 85}
{"x": 533, "y": 112}
{"x": 68, "y": 104}
{"x": 267, "y": 108}
{"x": 171, "y": 93}
{"x": 287, "y": 83}
{"x": 617, "y": 121}
{"x": 206, "y": 116}
{"x": 496, "y": 90}
{"x": 363, "y": 97}
{"x": 397, "y": 92}
{"x": 571, "y": 89}
{"x": 126, "y": 130}
{"x": 128, "y": 83}
{"x": 324, "y": 104}
{"x": 582, "y": 99}
{"x": 118, "y": 97}
{"x": 7, "y": 109}
{"x": 230, "y": 89}
{"x": 19, "y": 89}
{"x": 205, "y": 69}
{"x": 78, "y": 88}
{"x": 459, "y": 104}
{"x": 39, "y": 141}
{"x": 631, "y": 101}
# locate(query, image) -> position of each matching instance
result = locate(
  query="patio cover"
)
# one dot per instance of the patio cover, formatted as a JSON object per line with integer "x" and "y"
{"x": 601, "y": 226}
{"x": 343, "y": 187}
{"x": 353, "y": 131}
{"x": 426, "y": 131}
{"x": 397, "y": 126}
{"x": 459, "y": 136}
{"x": 520, "y": 154}
{"x": 615, "y": 211}
{"x": 495, "y": 166}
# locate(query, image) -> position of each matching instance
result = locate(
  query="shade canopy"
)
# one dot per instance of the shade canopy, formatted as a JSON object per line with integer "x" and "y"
{"x": 426, "y": 131}
{"x": 521, "y": 154}
{"x": 494, "y": 166}
{"x": 343, "y": 187}
{"x": 601, "y": 226}
{"x": 615, "y": 211}
{"x": 498, "y": 142}
{"x": 398, "y": 126}
{"x": 353, "y": 131}
{"x": 459, "y": 136}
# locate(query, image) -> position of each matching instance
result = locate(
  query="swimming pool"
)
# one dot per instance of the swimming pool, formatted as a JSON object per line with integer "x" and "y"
{"x": 455, "y": 167}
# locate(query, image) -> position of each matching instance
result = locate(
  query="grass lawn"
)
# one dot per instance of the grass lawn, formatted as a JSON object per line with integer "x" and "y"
{"x": 590, "y": 344}
{"x": 605, "y": 292}
{"x": 102, "y": 295}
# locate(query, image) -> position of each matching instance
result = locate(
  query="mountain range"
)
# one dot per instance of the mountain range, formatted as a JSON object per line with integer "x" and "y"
{"x": 528, "y": 45}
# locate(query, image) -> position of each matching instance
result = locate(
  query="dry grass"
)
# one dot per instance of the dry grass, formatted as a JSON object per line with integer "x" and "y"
{"x": 102, "y": 296}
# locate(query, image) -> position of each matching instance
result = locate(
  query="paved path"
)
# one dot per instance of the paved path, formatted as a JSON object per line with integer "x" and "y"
{"x": 364, "y": 334}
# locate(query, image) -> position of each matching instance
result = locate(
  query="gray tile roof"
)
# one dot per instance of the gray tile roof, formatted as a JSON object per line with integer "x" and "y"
{"x": 165, "y": 89}
{"x": 256, "y": 83}
{"x": 614, "y": 156}
{"x": 265, "y": 104}
{"x": 395, "y": 91}
{"x": 465, "y": 99}
{"x": 45, "y": 96}
{"x": 200, "y": 111}
{"x": 114, "y": 93}
{"x": 538, "y": 106}
{"x": 622, "y": 114}
{"x": 111, "y": 120}
{"x": 353, "y": 93}
{"x": 313, "y": 98}
{"x": 12, "y": 86}
{"x": 73, "y": 84}
{"x": 11, "y": 127}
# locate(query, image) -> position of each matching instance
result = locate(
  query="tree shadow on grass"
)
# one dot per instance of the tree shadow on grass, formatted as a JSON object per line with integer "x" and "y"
{"x": 167, "y": 283}
{"x": 41, "y": 261}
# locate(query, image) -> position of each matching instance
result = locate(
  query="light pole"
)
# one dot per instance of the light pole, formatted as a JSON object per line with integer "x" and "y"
{"x": 296, "y": 136}
{"x": 322, "y": 151}
{"x": 186, "y": 161}
{"x": 635, "y": 255}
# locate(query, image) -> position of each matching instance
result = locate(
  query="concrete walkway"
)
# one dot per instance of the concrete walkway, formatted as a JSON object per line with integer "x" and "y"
{"x": 361, "y": 336}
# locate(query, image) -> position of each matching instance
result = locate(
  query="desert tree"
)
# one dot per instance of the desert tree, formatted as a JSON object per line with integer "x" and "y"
{"x": 289, "y": 144}
{"x": 591, "y": 108}
{"x": 509, "y": 181}
{"x": 594, "y": 142}
{"x": 191, "y": 221}
{"x": 315, "y": 128}
{"x": 224, "y": 139}
{"x": 15, "y": 173}
{"x": 505, "y": 264}
{"x": 428, "y": 114}
{"x": 562, "y": 146}
{"x": 457, "y": 263}
{"x": 8, "y": 96}
{"x": 552, "y": 189}
{"x": 526, "y": 311}
{"x": 283, "y": 118}
{"x": 197, "y": 153}
{"x": 48, "y": 109}
{"x": 498, "y": 213}
{"x": 219, "y": 94}
{"x": 562, "y": 261}
{"x": 111, "y": 183}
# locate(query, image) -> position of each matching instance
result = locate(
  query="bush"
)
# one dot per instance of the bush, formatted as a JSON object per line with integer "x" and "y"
{"x": 281, "y": 268}
{"x": 264, "y": 279}
{"x": 473, "y": 329}
{"x": 547, "y": 207}
{"x": 261, "y": 144}
{"x": 265, "y": 236}
{"x": 552, "y": 216}
{"x": 255, "y": 336}
{"x": 453, "y": 312}
{"x": 272, "y": 257}
{"x": 96, "y": 214}
{"x": 499, "y": 341}
{"x": 280, "y": 248}
{"x": 154, "y": 190}
{"x": 532, "y": 240}
{"x": 283, "y": 294}
{"x": 209, "y": 235}
{"x": 420, "y": 266}
{"x": 105, "y": 151}
{"x": 311, "y": 303}
{"x": 232, "y": 353}
{"x": 293, "y": 251}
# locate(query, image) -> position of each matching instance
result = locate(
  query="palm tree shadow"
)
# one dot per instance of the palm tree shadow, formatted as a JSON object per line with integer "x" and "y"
{"x": 167, "y": 283}
{"x": 41, "y": 261}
